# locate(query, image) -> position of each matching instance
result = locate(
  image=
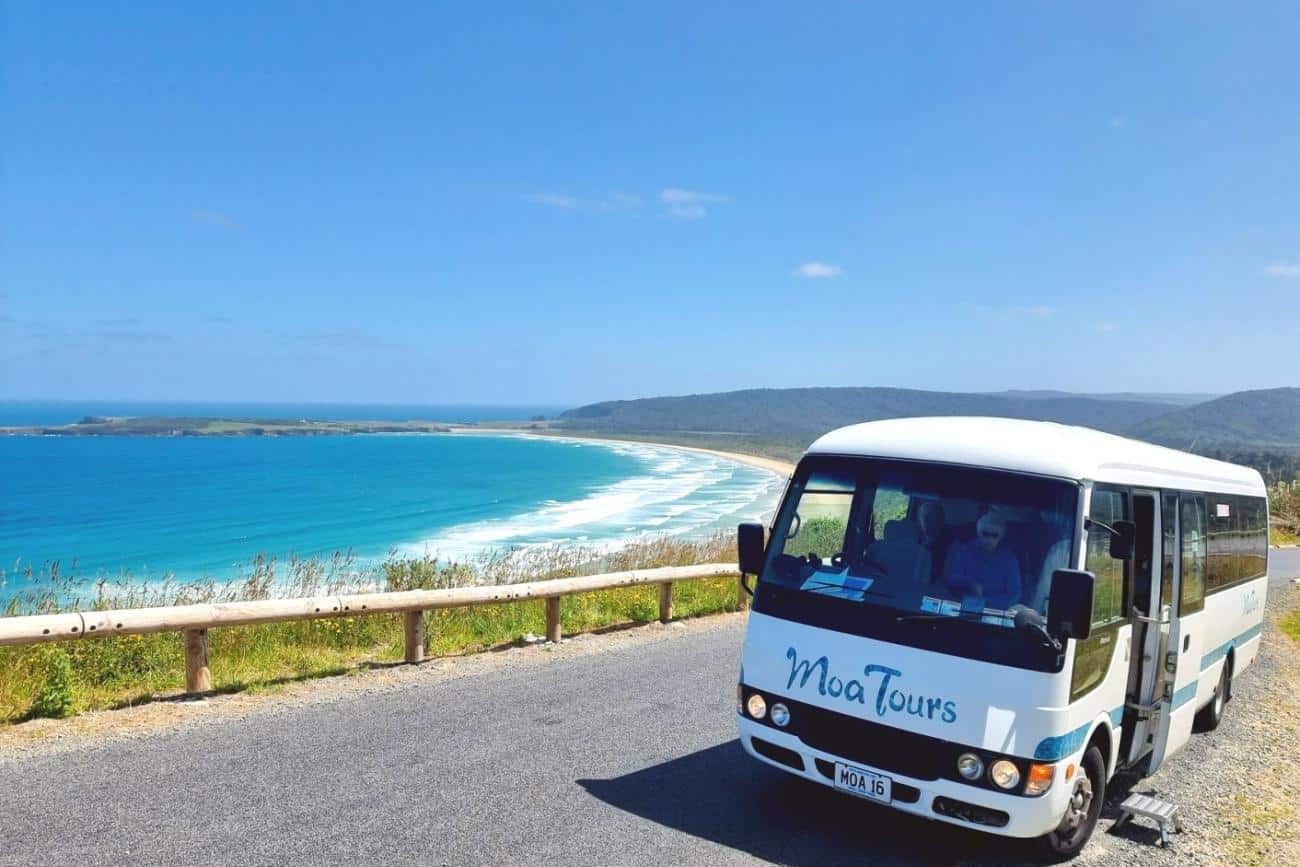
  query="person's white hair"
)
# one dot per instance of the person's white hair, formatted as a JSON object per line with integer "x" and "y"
{"x": 991, "y": 521}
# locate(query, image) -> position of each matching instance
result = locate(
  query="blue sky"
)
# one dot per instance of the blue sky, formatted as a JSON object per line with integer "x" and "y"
{"x": 525, "y": 203}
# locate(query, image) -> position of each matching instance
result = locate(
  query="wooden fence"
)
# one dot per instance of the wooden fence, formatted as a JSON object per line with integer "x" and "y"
{"x": 194, "y": 621}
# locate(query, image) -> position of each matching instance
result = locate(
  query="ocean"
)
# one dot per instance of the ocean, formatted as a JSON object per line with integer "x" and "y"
{"x": 200, "y": 507}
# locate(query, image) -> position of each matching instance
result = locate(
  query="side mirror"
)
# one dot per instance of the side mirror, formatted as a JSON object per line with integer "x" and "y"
{"x": 1069, "y": 604}
{"x": 750, "y": 543}
{"x": 1124, "y": 540}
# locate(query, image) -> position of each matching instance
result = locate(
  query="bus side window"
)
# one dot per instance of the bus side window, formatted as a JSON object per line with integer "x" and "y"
{"x": 1192, "y": 524}
{"x": 1168, "y": 549}
{"x": 1108, "y": 506}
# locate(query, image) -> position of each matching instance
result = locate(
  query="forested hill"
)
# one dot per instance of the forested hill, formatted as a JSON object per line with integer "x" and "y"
{"x": 814, "y": 411}
{"x": 1260, "y": 428}
{"x": 1265, "y": 419}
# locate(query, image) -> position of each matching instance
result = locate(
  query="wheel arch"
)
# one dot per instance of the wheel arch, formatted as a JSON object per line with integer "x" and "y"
{"x": 1104, "y": 740}
{"x": 1230, "y": 666}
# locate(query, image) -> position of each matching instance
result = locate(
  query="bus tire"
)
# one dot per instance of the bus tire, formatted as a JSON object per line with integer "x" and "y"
{"x": 1208, "y": 718}
{"x": 1081, "y": 815}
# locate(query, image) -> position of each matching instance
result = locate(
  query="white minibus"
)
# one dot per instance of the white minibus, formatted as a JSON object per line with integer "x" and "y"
{"x": 979, "y": 620}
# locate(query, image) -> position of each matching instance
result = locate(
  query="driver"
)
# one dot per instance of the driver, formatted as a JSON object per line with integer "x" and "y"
{"x": 985, "y": 567}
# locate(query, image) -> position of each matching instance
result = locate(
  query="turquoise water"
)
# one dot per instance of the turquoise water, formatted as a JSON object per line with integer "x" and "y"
{"x": 200, "y": 506}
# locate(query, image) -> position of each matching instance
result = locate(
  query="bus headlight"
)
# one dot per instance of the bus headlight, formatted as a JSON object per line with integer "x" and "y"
{"x": 970, "y": 766}
{"x": 1004, "y": 774}
{"x": 756, "y": 706}
{"x": 780, "y": 715}
{"x": 1039, "y": 779}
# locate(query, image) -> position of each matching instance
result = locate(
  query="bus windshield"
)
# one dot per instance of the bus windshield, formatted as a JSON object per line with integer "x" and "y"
{"x": 917, "y": 542}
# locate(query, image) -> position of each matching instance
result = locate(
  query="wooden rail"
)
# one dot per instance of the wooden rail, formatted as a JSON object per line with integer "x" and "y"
{"x": 194, "y": 621}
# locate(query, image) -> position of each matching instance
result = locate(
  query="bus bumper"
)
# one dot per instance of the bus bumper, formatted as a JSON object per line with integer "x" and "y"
{"x": 940, "y": 800}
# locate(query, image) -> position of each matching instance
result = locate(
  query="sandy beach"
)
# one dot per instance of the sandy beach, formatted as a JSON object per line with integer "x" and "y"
{"x": 772, "y": 465}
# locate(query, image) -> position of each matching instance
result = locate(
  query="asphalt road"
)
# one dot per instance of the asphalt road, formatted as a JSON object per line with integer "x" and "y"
{"x": 622, "y": 757}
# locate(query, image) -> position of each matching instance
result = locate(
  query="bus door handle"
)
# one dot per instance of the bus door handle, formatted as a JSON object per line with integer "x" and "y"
{"x": 1187, "y": 642}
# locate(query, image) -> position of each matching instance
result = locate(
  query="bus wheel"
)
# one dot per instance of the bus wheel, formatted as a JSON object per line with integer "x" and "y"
{"x": 1208, "y": 718}
{"x": 1083, "y": 810}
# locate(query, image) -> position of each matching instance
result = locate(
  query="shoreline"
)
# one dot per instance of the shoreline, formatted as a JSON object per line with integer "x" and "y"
{"x": 771, "y": 465}
{"x": 776, "y": 470}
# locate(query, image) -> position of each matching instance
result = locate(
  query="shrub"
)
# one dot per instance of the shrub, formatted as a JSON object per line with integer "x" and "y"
{"x": 55, "y": 698}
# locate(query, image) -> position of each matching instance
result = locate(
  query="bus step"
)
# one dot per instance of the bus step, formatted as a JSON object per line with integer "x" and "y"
{"x": 1163, "y": 813}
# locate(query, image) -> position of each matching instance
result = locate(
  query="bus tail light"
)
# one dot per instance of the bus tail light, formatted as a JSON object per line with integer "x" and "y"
{"x": 1039, "y": 779}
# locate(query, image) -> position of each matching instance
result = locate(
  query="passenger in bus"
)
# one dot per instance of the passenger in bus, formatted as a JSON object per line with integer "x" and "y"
{"x": 930, "y": 533}
{"x": 985, "y": 568}
{"x": 1055, "y": 529}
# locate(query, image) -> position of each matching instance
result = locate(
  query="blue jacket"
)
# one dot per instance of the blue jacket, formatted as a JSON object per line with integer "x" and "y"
{"x": 998, "y": 573}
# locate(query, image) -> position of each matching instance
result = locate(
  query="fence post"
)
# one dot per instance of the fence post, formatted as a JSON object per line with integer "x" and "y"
{"x": 198, "y": 677}
{"x": 665, "y": 602}
{"x": 413, "y": 621}
{"x": 553, "y": 619}
{"x": 742, "y": 595}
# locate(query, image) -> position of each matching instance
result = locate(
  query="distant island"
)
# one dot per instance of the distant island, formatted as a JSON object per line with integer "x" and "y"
{"x": 159, "y": 426}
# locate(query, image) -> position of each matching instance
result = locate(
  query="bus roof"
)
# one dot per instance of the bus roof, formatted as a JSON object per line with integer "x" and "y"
{"x": 1040, "y": 447}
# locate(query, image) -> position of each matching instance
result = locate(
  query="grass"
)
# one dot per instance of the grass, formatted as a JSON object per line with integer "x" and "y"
{"x": 1260, "y": 822}
{"x": 133, "y": 669}
{"x": 1289, "y": 623}
{"x": 1284, "y": 513}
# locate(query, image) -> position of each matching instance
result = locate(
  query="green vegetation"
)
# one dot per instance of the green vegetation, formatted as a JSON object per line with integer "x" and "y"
{"x": 1290, "y": 623}
{"x": 823, "y": 536}
{"x": 1262, "y": 819}
{"x": 55, "y": 697}
{"x": 1284, "y": 512}
{"x": 1256, "y": 428}
{"x": 73, "y": 676}
{"x": 809, "y": 412}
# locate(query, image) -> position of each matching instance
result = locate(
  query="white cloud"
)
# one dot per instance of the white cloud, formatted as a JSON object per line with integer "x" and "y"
{"x": 1104, "y": 327}
{"x": 1039, "y": 311}
{"x": 1283, "y": 269}
{"x": 678, "y": 196}
{"x": 686, "y": 212}
{"x": 553, "y": 200}
{"x": 212, "y": 218}
{"x": 1118, "y": 122}
{"x": 814, "y": 270}
{"x": 563, "y": 202}
{"x": 688, "y": 204}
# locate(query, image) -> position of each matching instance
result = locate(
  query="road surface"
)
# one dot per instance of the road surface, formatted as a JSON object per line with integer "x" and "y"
{"x": 620, "y": 757}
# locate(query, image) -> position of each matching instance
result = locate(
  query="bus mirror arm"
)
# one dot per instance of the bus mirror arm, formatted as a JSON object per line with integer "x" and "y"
{"x": 1030, "y": 621}
{"x": 1123, "y": 537}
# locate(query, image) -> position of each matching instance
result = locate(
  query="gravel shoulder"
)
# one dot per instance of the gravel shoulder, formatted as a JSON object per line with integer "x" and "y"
{"x": 1236, "y": 787}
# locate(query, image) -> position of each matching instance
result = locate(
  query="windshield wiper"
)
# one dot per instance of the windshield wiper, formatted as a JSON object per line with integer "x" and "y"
{"x": 865, "y": 591}
{"x": 968, "y": 616}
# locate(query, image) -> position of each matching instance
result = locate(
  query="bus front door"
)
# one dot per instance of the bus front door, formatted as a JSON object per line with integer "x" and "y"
{"x": 1153, "y": 564}
{"x": 1182, "y": 662}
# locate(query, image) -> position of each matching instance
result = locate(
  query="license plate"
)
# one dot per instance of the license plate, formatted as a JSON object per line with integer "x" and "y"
{"x": 864, "y": 784}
